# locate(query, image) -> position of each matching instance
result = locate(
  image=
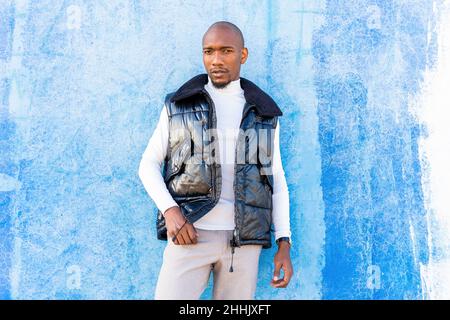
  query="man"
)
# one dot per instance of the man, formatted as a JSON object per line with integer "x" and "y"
{"x": 222, "y": 186}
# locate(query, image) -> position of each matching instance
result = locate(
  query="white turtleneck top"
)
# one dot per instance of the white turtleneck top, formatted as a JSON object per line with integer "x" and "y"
{"x": 229, "y": 104}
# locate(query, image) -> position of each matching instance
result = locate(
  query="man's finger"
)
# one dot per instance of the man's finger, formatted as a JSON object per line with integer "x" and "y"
{"x": 183, "y": 233}
{"x": 191, "y": 233}
{"x": 172, "y": 237}
{"x": 276, "y": 272}
{"x": 190, "y": 239}
{"x": 280, "y": 283}
{"x": 287, "y": 273}
{"x": 185, "y": 236}
{"x": 180, "y": 238}
{"x": 283, "y": 282}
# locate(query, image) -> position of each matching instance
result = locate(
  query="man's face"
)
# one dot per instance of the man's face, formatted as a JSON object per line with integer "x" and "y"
{"x": 223, "y": 55}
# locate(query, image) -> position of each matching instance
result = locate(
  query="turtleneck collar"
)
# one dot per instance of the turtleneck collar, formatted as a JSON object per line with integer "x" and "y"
{"x": 232, "y": 88}
{"x": 265, "y": 106}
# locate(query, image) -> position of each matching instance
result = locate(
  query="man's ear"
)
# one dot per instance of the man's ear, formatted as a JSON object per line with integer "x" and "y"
{"x": 244, "y": 55}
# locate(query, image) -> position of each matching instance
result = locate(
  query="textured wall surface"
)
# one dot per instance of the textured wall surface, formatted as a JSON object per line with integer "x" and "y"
{"x": 81, "y": 87}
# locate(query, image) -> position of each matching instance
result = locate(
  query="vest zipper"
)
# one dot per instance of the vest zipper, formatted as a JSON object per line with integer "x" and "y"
{"x": 203, "y": 139}
{"x": 235, "y": 242}
{"x": 213, "y": 121}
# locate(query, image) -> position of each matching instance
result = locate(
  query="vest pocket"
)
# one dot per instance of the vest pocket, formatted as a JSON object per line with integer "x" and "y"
{"x": 187, "y": 176}
{"x": 255, "y": 188}
{"x": 256, "y": 224}
{"x": 178, "y": 159}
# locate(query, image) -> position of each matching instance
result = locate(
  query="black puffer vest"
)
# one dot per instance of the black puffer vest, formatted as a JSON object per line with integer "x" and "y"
{"x": 194, "y": 179}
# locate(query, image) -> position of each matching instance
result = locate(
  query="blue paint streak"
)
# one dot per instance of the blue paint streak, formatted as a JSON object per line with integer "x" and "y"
{"x": 371, "y": 174}
{"x": 6, "y": 30}
{"x": 7, "y": 167}
{"x": 7, "y": 130}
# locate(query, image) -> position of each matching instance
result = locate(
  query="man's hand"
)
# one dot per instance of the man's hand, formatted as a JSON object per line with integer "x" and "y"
{"x": 174, "y": 224}
{"x": 282, "y": 260}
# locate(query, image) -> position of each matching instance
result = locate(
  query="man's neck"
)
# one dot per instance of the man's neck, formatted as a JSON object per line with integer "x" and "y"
{"x": 231, "y": 88}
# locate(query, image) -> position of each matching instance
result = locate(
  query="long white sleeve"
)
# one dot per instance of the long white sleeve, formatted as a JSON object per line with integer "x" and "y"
{"x": 151, "y": 165}
{"x": 280, "y": 197}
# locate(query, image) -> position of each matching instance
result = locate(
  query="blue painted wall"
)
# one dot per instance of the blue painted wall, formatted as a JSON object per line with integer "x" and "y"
{"x": 81, "y": 87}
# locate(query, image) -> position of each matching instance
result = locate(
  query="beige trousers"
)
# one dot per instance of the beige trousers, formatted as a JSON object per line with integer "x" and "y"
{"x": 186, "y": 269}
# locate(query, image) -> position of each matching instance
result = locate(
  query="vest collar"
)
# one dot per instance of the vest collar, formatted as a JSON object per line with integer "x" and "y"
{"x": 265, "y": 106}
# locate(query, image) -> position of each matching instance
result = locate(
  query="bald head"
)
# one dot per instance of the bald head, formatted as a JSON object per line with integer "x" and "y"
{"x": 226, "y": 26}
{"x": 223, "y": 53}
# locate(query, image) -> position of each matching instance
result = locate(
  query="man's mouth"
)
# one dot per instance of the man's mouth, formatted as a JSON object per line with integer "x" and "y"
{"x": 218, "y": 72}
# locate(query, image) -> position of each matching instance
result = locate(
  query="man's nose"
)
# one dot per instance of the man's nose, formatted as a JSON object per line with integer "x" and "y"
{"x": 217, "y": 59}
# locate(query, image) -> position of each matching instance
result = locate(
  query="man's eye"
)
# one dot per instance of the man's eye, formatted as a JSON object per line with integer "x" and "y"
{"x": 207, "y": 51}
